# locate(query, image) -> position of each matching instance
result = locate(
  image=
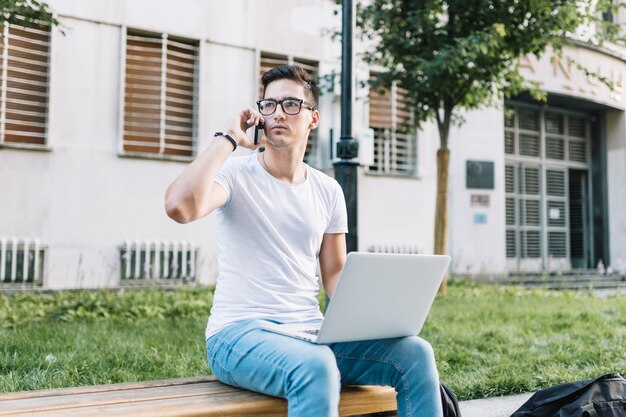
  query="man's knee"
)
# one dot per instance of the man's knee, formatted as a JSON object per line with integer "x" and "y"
{"x": 415, "y": 352}
{"x": 319, "y": 369}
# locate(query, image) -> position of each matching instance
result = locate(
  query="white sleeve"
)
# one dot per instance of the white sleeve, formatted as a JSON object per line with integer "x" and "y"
{"x": 226, "y": 177}
{"x": 339, "y": 216}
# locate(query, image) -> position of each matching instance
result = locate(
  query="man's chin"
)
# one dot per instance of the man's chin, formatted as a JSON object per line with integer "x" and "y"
{"x": 278, "y": 142}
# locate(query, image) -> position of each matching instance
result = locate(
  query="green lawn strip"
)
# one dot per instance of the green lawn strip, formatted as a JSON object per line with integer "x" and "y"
{"x": 17, "y": 309}
{"x": 501, "y": 340}
{"x": 54, "y": 355}
{"x": 488, "y": 340}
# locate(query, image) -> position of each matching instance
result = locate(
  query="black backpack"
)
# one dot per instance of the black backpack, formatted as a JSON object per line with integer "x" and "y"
{"x": 449, "y": 402}
{"x": 598, "y": 397}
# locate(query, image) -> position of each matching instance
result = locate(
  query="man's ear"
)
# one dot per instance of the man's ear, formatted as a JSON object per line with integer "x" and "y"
{"x": 315, "y": 119}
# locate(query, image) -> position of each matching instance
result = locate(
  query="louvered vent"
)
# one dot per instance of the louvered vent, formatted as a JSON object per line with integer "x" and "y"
{"x": 555, "y": 183}
{"x": 577, "y": 126}
{"x": 555, "y": 148}
{"x": 557, "y": 244}
{"x": 509, "y": 117}
{"x": 531, "y": 181}
{"x": 530, "y": 215}
{"x": 509, "y": 178}
{"x": 577, "y": 151}
{"x": 509, "y": 142}
{"x": 510, "y": 211}
{"x": 529, "y": 145}
{"x": 529, "y": 119}
{"x": 531, "y": 243}
{"x": 554, "y": 123}
{"x": 511, "y": 246}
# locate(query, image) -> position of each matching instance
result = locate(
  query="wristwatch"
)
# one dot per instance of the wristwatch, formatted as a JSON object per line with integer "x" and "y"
{"x": 227, "y": 136}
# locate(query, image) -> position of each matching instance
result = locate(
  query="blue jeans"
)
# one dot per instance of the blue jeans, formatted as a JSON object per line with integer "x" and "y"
{"x": 310, "y": 376}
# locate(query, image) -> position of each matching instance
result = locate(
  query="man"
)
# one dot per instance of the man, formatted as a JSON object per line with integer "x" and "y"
{"x": 277, "y": 218}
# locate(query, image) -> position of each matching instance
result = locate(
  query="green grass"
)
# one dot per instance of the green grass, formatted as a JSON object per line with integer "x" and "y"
{"x": 488, "y": 340}
{"x": 49, "y": 355}
{"x": 505, "y": 340}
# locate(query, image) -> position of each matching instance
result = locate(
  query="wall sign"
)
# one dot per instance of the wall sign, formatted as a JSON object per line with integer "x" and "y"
{"x": 479, "y": 174}
{"x": 479, "y": 200}
{"x": 480, "y": 218}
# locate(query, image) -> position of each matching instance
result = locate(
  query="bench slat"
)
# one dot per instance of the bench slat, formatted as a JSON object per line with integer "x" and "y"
{"x": 105, "y": 387}
{"x": 187, "y": 397}
{"x": 63, "y": 401}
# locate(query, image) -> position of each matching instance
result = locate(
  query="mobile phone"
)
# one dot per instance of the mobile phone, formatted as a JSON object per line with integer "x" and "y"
{"x": 258, "y": 127}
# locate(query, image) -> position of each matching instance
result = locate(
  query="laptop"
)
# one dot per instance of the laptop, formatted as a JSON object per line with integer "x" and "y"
{"x": 378, "y": 296}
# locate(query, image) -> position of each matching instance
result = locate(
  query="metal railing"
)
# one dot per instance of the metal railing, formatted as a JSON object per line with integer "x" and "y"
{"x": 21, "y": 262}
{"x": 159, "y": 261}
{"x": 394, "y": 248}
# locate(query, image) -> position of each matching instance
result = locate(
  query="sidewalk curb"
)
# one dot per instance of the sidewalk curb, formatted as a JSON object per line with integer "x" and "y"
{"x": 493, "y": 407}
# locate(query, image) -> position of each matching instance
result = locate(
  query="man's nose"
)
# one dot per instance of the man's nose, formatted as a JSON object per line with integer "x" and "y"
{"x": 280, "y": 113}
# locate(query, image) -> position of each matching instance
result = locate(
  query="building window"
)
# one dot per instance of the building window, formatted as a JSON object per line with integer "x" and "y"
{"x": 395, "y": 147}
{"x": 161, "y": 262}
{"x": 546, "y": 183}
{"x": 269, "y": 61}
{"x": 608, "y": 15}
{"x": 160, "y": 95}
{"x": 25, "y": 55}
{"x": 21, "y": 263}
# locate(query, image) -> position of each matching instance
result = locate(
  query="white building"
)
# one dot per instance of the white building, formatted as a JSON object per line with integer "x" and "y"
{"x": 96, "y": 122}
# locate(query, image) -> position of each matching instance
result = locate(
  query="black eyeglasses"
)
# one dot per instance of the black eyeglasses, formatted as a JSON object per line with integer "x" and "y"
{"x": 290, "y": 106}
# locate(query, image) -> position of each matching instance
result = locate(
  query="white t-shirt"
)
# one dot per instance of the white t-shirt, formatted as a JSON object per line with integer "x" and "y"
{"x": 269, "y": 238}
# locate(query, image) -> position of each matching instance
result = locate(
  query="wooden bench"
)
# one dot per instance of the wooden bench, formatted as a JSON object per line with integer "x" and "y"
{"x": 200, "y": 396}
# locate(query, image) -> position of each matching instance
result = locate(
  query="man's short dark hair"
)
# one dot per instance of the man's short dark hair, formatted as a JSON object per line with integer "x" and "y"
{"x": 297, "y": 74}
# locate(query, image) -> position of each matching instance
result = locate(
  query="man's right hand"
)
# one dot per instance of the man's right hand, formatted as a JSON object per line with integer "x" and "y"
{"x": 243, "y": 121}
{"x": 194, "y": 194}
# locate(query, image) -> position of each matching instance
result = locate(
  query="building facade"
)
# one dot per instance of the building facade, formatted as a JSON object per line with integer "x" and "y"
{"x": 99, "y": 115}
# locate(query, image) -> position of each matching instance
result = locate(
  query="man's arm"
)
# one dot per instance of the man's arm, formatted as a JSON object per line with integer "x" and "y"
{"x": 332, "y": 259}
{"x": 194, "y": 194}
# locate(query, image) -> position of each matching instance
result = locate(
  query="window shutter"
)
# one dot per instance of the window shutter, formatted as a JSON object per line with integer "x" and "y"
{"x": 394, "y": 145}
{"x": 25, "y": 71}
{"x": 312, "y": 68}
{"x": 268, "y": 62}
{"x": 180, "y": 98}
{"x": 380, "y": 107}
{"x": 142, "y": 94}
{"x": 160, "y": 95}
{"x": 403, "y": 112}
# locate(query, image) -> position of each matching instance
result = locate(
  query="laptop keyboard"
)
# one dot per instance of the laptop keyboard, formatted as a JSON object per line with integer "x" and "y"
{"x": 312, "y": 331}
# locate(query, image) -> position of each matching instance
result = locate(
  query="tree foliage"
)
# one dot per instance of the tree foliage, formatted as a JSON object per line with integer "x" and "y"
{"x": 26, "y": 12}
{"x": 452, "y": 55}
{"x": 464, "y": 54}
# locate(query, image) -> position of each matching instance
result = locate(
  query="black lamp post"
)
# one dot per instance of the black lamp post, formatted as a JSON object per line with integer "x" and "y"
{"x": 347, "y": 147}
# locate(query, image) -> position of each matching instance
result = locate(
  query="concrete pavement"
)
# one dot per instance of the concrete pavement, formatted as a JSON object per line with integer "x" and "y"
{"x": 493, "y": 407}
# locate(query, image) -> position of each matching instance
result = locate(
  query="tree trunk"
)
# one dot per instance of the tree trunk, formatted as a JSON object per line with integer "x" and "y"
{"x": 441, "y": 208}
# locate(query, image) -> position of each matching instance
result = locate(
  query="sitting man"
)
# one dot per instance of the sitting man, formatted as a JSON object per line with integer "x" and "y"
{"x": 277, "y": 217}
